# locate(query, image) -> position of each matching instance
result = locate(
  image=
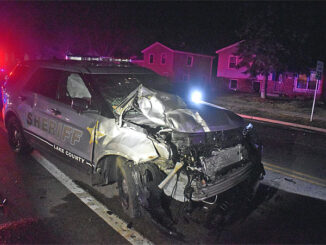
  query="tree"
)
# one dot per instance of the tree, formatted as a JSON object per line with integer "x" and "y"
{"x": 269, "y": 45}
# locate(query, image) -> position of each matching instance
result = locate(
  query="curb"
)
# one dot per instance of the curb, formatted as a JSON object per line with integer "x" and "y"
{"x": 295, "y": 125}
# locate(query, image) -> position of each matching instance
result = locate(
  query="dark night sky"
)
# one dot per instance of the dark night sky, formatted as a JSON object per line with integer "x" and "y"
{"x": 131, "y": 26}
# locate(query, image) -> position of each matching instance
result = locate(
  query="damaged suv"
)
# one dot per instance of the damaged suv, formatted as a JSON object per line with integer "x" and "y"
{"x": 121, "y": 122}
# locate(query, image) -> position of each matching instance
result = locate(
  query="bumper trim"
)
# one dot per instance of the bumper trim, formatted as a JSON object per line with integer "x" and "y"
{"x": 224, "y": 184}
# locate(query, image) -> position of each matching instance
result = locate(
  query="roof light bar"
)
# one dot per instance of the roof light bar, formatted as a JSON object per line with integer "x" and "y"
{"x": 101, "y": 58}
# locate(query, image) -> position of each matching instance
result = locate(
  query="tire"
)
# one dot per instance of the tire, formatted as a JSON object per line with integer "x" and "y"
{"x": 127, "y": 189}
{"x": 151, "y": 177}
{"x": 16, "y": 138}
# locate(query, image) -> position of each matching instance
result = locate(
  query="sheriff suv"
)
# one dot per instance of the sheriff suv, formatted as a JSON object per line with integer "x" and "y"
{"x": 122, "y": 123}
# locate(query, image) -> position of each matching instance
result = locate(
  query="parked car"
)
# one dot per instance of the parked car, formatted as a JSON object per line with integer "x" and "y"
{"x": 120, "y": 122}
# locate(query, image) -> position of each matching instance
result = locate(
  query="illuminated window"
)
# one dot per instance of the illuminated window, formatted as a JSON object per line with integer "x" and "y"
{"x": 189, "y": 60}
{"x": 307, "y": 83}
{"x": 163, "y": 59}
{"x": 302, "y": 82}
{"x": 312, "y": 81}
{"x": 233, "y": 84}
{"x": 274, "y": 76}
{"x": 232, "y": 62}
{"x": 151, "y": 58}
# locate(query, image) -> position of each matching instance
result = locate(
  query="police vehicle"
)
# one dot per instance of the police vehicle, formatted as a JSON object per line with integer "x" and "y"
{"x": 122, "y": 123}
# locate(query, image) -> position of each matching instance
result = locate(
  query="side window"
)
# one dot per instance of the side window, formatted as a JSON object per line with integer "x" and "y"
{"x": 45, "y": 82}
{"x": 189, "y": 60}
{"x": 76, "y": 87}
{"x": 18, "y": 74}
{"x": 233, "y": 84}
{"x": 163, "y": 59}
{"x": 151, "y": 58}
{"x": 71, "y": 87}
{"x": 232, "y": 61}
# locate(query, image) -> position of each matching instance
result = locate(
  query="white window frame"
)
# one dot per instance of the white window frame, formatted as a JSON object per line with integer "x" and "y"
{"x": 164, "y": 54}
{"x": 192, "y": 60}
{"x": 149, "y": 58}
{"x": 230, "y": 84}
{"x": 236, "y": 61}
{"x": 305, "y": 90}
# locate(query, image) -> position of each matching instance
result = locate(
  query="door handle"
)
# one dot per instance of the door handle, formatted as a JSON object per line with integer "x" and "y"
{"x": 55, "y": 112}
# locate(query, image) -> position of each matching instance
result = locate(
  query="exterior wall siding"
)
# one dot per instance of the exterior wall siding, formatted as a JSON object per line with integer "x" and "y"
{"x": 243, "y": 85}
{"x": 176, "y": 67}
{"x": 162, "y": 69}
{"x": 223, "y": 69}
{"x": 286, "y": 87}
{"x": 198, "y": 72}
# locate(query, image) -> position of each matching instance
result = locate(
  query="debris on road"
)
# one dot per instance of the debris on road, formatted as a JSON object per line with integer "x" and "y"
{"x": 3, "y": 202}
{"x": 290, "y": 180}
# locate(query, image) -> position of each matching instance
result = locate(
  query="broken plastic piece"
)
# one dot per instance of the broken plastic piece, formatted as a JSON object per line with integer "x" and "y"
{"x": 175, "y": 170}
{"x": 3, "y": 202}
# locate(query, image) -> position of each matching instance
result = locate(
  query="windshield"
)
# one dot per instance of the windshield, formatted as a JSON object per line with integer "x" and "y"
{"x": 115, "y": 87}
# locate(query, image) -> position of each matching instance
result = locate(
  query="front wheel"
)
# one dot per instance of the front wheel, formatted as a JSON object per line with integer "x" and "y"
{"x": 16, "y": 137}
{"x": 127, "y": 189}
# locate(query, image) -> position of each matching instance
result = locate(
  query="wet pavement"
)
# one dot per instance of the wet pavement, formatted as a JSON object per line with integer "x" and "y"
{"x": 39, "y": 209}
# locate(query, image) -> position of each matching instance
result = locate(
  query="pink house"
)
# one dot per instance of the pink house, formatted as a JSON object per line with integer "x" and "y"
{"x": 288, "y": 84}
{"x": 179, "y": 66}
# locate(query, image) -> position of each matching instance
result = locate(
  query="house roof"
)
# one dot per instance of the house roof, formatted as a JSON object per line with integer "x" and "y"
{"x": 176, "y": 51}
{"x": 154, "y": 44}
{"x": 228, "y": 47}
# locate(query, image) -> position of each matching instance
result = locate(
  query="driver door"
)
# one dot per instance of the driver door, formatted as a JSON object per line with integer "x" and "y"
{"x": 77, "y": 127}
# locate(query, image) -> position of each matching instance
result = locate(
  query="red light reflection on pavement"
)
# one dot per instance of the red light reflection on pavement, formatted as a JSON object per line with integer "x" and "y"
{"x": 18, "y": 205}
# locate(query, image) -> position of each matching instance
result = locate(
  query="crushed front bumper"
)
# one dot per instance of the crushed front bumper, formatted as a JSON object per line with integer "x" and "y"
{"x": 225, "y": 182}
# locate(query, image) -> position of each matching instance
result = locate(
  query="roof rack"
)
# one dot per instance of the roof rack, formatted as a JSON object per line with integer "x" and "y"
{"x": 100, "y": 58}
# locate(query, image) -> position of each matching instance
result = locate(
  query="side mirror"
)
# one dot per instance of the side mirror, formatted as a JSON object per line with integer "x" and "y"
{"x": 79, "y": 104}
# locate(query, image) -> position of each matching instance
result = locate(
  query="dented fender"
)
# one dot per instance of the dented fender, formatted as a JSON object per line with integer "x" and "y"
{"x": 127, "y": 141}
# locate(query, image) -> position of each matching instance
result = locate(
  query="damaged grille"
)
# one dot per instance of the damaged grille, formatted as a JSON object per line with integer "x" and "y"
{"x": 224, "y": 139}
{"x": 220, "y": 159}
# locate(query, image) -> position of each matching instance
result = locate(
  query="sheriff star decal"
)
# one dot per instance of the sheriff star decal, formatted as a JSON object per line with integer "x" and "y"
{"x": 95, "y": 134}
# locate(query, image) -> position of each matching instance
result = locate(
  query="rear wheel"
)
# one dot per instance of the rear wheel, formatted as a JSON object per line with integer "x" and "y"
{"x": 127, "y": 189}
{"x": 16, "y": 137}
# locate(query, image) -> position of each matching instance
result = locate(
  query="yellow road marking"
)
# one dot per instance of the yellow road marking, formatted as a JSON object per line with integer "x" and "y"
{"x": 295, "y": 172}
{"x": 295, "y": 176}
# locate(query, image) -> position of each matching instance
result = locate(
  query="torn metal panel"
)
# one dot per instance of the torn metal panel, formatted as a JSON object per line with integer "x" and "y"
{"x": 170, "y": 111}
{"x": 131, "y": 143}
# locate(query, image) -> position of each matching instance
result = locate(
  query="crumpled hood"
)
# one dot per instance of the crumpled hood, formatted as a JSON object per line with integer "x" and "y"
{"x": 168, "y": 110}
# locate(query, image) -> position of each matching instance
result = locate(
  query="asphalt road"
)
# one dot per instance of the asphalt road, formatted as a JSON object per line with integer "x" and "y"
{"x": 289, "y": 206}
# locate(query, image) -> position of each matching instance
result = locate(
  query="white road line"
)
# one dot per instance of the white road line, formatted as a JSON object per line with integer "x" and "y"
{"x": 111, "y": 219}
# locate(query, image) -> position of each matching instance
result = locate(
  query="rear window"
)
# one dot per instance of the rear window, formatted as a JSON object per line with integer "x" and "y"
{"x": 45, "y": 82}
